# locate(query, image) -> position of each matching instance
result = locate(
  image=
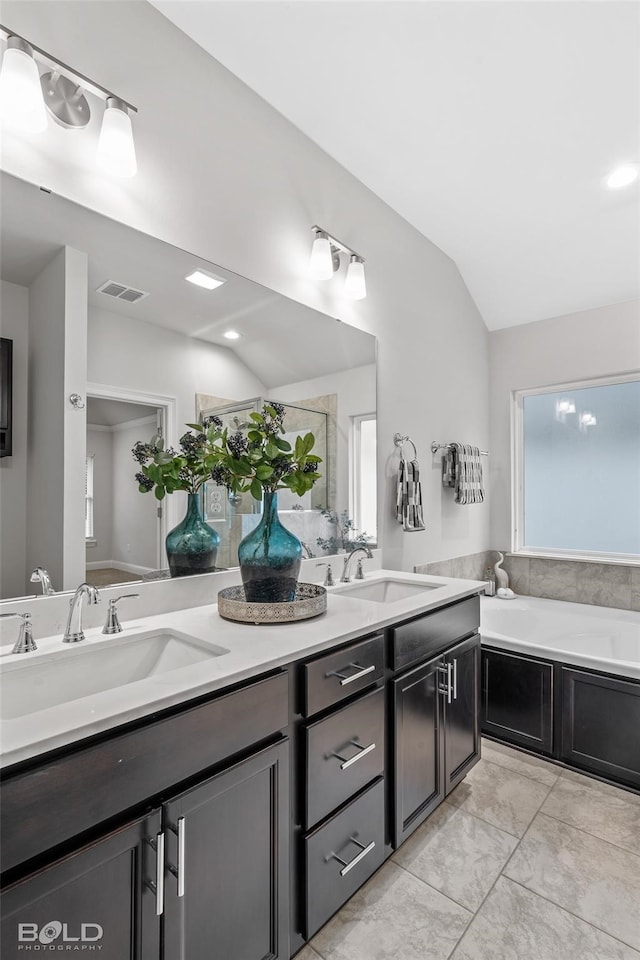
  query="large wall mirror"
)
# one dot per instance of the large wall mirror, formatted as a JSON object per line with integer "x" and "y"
{"x": 101, "y": 311}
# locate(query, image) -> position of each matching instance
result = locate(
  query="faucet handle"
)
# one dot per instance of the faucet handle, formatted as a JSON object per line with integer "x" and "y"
{"x": 328, "y": 579}
{"x": 359, "y": 571}
{"x": 25, "y": 642}
{"x": 113, "y": 624}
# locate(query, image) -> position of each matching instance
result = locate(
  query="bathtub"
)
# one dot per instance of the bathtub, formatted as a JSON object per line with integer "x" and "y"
{"x": 600, "y": 638}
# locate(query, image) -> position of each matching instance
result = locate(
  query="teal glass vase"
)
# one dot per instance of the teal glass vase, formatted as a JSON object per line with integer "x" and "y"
{"x": 192, "y": 546}
{"x": 270, "y": 558}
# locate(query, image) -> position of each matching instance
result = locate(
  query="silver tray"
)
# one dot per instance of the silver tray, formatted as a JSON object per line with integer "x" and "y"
{"x": 310, "y": 601}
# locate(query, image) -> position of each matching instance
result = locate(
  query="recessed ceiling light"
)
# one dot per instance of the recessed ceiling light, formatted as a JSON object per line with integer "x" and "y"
{"x": 203, "y": 279}
{"x": 622, "y": 176}
{"x": 231, "y": 335}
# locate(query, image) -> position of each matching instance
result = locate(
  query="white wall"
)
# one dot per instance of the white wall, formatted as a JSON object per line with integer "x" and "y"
{"x": 224, "y": 175}
{"x": 139, "y": 356}
{"x": 592, "y": 343}
{"x": 100, "y": 445}
{"x": 14, "y": 324}
{"x": 57, "y": 431}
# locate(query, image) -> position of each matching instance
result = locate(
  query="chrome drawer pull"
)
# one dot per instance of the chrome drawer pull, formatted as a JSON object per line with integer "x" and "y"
{"x": 455, "y": 679}
{"x": 358, "y": 756}
{"x": 158, "y": 886}
{"x": 344, "y": 680}
{"x": 346, "y": 867}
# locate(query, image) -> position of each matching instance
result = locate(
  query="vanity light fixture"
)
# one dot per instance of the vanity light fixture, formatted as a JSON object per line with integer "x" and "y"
{"x": 622, "y": 176}
{"x": 203, "y": 279}
{"x": 325, "y": 261}
{"x": 231, "y": 335}
{"x": 24, "y": 95}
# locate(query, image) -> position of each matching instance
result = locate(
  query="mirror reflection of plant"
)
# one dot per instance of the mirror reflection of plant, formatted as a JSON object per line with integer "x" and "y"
{"x": 166, "y": 471}
{"x": 346, "y": 538}
{"x": 262, "y": 459}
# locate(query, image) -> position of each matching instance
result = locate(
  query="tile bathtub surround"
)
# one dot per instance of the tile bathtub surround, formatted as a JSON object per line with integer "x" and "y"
{"x": 466, "y": 887}
{"x": 604, "y": 584}
{"x": 472, "y": 566}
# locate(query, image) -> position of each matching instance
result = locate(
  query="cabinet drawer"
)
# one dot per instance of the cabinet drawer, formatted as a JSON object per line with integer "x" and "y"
{"x": 342, "y": 854}
{"x": 344, "y": 752}
{"x": 333, "y": 678}
{"x": 428, "y": 635}
{"x": 136, "y": 765}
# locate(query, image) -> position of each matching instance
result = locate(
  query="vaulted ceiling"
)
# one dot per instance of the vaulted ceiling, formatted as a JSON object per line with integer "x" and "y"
{"x": 490, "y": 126}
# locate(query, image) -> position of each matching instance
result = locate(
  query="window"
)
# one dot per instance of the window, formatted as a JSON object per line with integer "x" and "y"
{"x": 363, "y": 475}
{"x": 88, "y": 498}
{"x": 577, "y": 469}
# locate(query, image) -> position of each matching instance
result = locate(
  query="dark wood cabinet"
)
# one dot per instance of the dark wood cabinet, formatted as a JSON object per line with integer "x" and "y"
{"x": 418, "y": 747}
{"x": 601, "y": 724}
{"x": 227, "y": 851}
{"x": 436, "y": 737}
{"x": 517, "y": 699}
{"x": 100, "y": 898}
{"x": 461, "y": 715}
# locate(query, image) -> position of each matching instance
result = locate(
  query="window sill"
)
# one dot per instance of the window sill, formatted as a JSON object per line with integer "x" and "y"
{"x": 625, "y": 560}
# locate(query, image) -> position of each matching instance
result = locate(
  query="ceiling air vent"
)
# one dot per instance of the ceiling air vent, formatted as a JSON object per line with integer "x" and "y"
{"x": 121, "y": 292}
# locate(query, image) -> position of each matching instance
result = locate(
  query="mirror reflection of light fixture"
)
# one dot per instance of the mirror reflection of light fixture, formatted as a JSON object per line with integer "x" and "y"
{"x": 586, "y": 420}
{"x": 325, "y": 261}
{"x": 564, "y": 407}
{"x": 24, "y": 95}
{"x": 622, "y": 176}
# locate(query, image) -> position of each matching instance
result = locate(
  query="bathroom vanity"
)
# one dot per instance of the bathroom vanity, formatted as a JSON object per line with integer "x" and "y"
{"x": 236, "y": 818}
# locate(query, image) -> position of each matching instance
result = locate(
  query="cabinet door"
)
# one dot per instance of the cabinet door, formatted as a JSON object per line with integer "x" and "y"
{"x": 462, "y": 738}
{"x": 419, "y": 758}
{"x": 601, "y": 724}
{"x": 517, "y": 699}
{"x": 228, "y": 861}
{"x": 97, "y": 900}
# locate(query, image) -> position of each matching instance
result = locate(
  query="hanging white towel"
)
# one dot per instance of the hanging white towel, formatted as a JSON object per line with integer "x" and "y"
{"x": 467, "y": 473}
{"x": 409, "y": 496}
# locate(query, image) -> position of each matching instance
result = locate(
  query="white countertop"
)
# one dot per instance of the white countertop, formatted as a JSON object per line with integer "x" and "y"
{"x": 251, "y": 651}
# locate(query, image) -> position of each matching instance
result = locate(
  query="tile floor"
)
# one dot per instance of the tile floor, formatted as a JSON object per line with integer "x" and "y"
{"x": 524, "y": 861}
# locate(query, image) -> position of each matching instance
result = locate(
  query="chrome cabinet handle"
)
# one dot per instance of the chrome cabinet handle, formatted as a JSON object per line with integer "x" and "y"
{"x": 158, "y": 885}
{"x": 179, "y": 871}
{"x": 347, "y": 866}
{"x": 455, "y": 679}
{"x": 446, "y": 690}
{"x": 358, "y": 756}
{"x": 344, "y": 680}
{"x": 181, "y": 856}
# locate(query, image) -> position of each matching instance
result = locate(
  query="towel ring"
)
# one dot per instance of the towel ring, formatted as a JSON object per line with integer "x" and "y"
{"x": 399, "y": 440}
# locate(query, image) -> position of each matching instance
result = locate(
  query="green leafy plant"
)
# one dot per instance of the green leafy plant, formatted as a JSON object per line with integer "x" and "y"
{"x": 261, "y": 459}
{"x": 166, "y": 471}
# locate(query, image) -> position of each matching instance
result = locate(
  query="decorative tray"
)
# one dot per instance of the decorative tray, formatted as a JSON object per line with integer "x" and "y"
{"x": 310, "y": 601}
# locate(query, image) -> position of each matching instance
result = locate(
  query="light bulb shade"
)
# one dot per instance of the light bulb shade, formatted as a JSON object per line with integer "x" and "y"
{"x": 21, "y": 102}
{"x": 355, "y": 286}
{"x": 116, "y": 149}
{"x": 321, "y": 261}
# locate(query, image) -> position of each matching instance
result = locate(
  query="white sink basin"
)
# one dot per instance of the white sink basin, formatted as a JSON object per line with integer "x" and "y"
{"x": 386, "y": 591}
{"x": 84, "y": 669}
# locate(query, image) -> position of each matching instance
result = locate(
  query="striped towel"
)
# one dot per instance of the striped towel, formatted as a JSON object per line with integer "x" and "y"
{"x": 409, "y": 496}
{"x": 462, "y": 470}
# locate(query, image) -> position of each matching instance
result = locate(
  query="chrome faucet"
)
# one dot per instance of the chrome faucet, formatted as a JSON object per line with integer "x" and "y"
{"x": 25, "y": 642}
{"x": 347, "y": 561}
{"x": 113, "y": 624}
{"x": 74, "y": 632}
{"x": 41, "y": 576}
